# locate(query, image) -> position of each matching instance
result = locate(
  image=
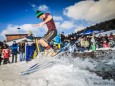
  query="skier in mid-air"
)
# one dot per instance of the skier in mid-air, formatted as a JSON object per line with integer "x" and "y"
{"x": 52, "y": 32}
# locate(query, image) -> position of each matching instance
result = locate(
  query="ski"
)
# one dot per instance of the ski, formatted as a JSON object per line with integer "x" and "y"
{"x": 62, "y": 49}
{"x": 31, "y": 68}
{"x": 38, "y": 68}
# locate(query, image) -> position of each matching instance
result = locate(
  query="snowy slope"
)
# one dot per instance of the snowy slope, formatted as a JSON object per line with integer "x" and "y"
{"x": 66, "y": 72}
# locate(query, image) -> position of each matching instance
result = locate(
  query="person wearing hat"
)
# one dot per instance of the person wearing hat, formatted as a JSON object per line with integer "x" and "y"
{"x": 29, "y": 35}
{"x": 51, "y": 33}
{"x": 6, "y": 52}
{"x": 14, "y": 49}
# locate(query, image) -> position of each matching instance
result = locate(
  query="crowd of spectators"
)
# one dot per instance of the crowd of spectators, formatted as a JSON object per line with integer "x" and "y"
{"x": 82, "y": 42}
{"x": 90, "y": 42}
{"x": 12, "y": 51}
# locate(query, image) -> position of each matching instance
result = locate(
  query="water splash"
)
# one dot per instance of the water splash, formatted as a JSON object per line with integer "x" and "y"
{"x": 69, "y": 71}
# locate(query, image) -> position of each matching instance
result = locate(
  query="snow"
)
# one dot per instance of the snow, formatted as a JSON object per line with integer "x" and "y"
{"x": 66, "y": 71}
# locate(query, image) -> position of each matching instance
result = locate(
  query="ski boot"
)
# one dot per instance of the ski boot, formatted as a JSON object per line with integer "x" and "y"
{"x": 50, "y": 52}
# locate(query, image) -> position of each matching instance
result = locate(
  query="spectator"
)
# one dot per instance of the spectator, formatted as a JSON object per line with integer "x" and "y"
{"x": 111, "y": 40}
{"x": 1, "y": 47}
{"x": 93, "y": 43}
{"x": 14, "y": 49}
{"x": 111, "y": 36}
{"x": 86, "y": 43}
{"x": 106, "y": 38}
{"x": 75, "y": 39}
{"x": 62, "y": 38}
{"x": 105, "y": 44}
{"x": 5, "y": 45}
{"x": 29, "y": 36}
{"x": 57, "y": 42}
{"x": 22, "y": 51}
{"x": 6, "y": 54}
{"x": 89, "y": 40}
{"x": 71, "y": 40}
{"x": 78, "y": 43}
{"x": 99, "y": 41}
{"x": 82, "y": 44}
{"x": 66, "y": 42}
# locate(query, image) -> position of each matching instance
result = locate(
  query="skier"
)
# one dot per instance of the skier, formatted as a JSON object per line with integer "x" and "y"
{"x": 52, "y": 32}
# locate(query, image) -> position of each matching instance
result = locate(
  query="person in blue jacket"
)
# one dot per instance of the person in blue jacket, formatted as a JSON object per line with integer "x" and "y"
{"x": 57, "y": 41}
{"x": 14, "y": 49}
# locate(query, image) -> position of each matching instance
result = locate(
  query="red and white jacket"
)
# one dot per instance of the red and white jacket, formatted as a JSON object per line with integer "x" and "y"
{"x": 6, "y": 53}
{"x": 106, "y": 45}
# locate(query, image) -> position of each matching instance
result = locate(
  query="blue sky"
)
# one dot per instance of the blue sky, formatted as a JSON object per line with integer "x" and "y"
{"x": 19, "y": 12}
{"x": 69, "y": 15}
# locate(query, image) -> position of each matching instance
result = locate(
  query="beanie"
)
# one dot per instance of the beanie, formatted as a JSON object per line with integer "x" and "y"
{"x": 38, "y": 14}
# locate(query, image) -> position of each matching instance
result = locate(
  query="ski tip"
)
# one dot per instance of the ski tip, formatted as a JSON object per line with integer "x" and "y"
{"x": 24, "y": 74}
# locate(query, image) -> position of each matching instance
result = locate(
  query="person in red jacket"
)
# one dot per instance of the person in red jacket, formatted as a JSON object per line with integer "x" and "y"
{"x": 106, "y": 45}
{"x": 52, "y": 32}
{"x": 6, "y": 54}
